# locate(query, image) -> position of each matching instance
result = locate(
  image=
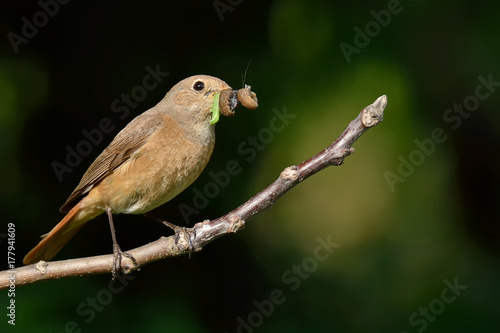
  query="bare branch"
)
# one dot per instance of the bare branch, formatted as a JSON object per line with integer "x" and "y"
{"x": 204, "y": 232}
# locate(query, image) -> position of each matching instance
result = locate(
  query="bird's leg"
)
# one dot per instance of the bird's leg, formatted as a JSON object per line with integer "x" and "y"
{"x": 117, "y": 251}
{"x": 178, "y": 230}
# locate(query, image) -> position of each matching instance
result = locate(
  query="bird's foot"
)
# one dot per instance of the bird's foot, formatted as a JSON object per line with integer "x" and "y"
{"x": 118, "y": 254}
{"x": 179, "y": 231}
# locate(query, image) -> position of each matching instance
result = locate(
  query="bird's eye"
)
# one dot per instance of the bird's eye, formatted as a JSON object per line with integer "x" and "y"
{"x": 198, "y": 86}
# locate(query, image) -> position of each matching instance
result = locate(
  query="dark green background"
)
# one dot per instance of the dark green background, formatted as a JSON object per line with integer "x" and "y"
{"x": 397, "y": 246}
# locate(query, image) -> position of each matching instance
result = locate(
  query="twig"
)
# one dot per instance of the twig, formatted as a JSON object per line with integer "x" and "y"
{"x": 205, "y": 232}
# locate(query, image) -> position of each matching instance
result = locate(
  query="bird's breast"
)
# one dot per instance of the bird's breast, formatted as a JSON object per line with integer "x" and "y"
{"x": 165, "y": 166}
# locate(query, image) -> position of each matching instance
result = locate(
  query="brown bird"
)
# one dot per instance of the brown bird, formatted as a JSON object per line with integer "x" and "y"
{"x": 153, "y": 159}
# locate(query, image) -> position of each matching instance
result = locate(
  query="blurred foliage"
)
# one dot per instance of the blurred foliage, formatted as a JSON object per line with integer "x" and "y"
{"x": 396, "y": 247}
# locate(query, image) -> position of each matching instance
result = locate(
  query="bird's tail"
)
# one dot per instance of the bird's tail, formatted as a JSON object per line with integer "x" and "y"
{"x": 54, "y": 241}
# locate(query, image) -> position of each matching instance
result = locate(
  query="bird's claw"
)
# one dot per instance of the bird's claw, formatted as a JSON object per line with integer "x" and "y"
{"x": 118, "y": 254}
{"x": 178, "y": 230}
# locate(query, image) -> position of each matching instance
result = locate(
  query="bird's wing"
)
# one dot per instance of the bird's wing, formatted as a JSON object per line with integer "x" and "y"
{"x": 128, "y": 141}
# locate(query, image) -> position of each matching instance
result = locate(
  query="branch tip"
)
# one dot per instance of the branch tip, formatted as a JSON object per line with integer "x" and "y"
{"x": 380, "y": 103}
{"x": 374, "y": 113}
